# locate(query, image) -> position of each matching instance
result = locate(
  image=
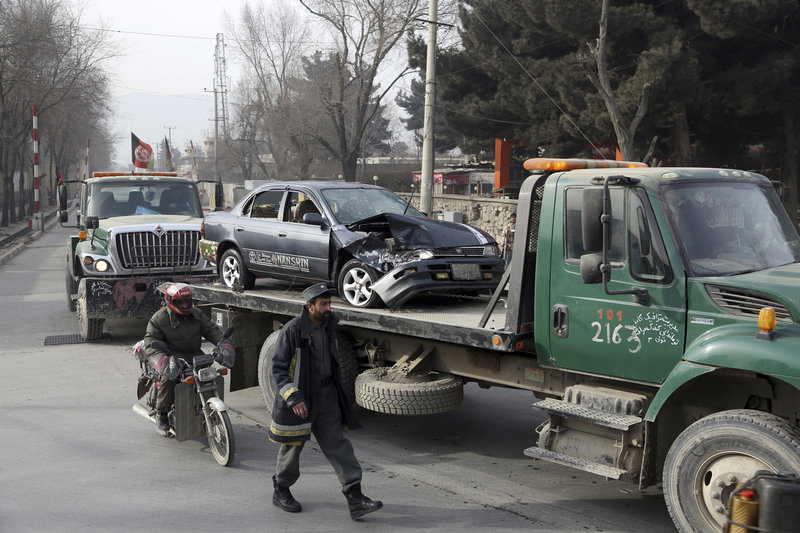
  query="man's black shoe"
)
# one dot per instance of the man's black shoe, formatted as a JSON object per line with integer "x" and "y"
{"x": 162, "y": 424}
{"x": 359, "y": 504}
{"x": 283, "y": 498}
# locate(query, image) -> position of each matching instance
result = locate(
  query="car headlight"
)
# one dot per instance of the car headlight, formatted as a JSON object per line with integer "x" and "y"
{"x": 423, "y": 254}
{"x": 491, "y": 250}
{"x": 101, "y": 265}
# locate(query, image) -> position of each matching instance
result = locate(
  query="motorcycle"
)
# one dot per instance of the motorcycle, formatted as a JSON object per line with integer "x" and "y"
{"x": 199, "y": 409}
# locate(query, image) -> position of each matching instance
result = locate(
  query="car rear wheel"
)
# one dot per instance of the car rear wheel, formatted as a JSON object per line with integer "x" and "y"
{"x": 233, "y": 272}
{"x": 355, "y": 284}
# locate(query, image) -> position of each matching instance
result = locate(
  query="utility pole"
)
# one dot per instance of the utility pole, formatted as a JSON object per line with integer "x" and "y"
{"x": 169, "y": 129}
{"x": 426, "y": 182}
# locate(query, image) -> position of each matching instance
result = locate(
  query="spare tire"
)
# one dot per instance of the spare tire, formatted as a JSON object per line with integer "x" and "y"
{"x": 376, "y": 391}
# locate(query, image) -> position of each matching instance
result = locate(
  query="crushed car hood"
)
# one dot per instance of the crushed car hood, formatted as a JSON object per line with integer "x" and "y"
{"x": 412, "y": 233}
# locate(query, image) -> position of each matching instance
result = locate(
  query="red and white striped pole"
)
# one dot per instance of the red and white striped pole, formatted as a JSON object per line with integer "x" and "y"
{"x": 86, "y": 162}
{"x": 37, "y": 217}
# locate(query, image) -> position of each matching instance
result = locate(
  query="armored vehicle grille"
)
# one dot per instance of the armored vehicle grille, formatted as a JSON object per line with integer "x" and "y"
{"x": 145, "y": 249}
{"x": 746, "y": 303}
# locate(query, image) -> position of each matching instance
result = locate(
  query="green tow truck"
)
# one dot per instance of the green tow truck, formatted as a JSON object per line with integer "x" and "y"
{"x": 135, "y": 231}
{"x": 654, "y": 311}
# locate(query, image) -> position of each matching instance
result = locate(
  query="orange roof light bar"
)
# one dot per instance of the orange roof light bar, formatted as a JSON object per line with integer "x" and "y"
{"x": 553, "y": 164}
{"x": 107, "y": 174}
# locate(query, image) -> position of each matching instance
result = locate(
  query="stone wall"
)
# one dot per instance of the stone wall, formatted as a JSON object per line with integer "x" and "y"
{"x": 488, "y": 214}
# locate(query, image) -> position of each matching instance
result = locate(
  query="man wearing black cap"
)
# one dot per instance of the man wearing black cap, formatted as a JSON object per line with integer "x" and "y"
{"x": 310, "y": 399}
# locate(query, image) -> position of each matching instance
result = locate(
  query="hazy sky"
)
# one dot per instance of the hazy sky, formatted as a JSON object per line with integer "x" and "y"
{"x": 165, "y": 48}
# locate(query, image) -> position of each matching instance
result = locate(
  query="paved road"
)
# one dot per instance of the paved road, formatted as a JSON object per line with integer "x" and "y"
{"x": 76, "y": 458}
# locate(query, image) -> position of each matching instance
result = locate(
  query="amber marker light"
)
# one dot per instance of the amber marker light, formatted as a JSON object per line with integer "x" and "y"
{"x": 190, "y": 380}
{"x": 496, "y": 340}
{"x": 223, "y": 371}
{"x": 766, "y": 323}
{"x": 548, "y": 164}
{"x": 82, "y": 235}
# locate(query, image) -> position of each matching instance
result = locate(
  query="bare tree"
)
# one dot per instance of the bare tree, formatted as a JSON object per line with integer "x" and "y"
{"x": 271, "y": 41}
{"x": 366, "y": 32}
{"x": 49, "y": 61}
{"x": 600, "y": 79}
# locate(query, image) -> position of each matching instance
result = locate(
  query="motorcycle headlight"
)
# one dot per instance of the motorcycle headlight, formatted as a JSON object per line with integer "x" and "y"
{"x": 207, "y": 374}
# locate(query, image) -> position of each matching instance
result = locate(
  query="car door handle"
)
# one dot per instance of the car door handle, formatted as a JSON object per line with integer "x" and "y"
{"x": 282, "y": 234}
{"x": 239, "y": 228}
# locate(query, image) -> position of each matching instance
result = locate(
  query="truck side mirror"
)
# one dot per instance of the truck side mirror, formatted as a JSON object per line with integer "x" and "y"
{"x": 591, "y": 211}
{"x": 590, "y": 268}
{"x": 61, "y": 193}
{"x": 92, "y": 223}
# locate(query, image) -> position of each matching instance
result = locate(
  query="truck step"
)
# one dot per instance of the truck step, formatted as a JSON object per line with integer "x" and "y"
{"x": 587, "y": 414}
{"x": 574, "y": 462}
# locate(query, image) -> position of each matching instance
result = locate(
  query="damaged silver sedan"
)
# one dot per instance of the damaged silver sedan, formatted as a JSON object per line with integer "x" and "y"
{"x": 366, "y": 241}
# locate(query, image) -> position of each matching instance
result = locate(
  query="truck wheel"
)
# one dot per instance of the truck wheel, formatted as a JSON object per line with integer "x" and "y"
{"x": 355, "y": 284}
{"x": 91, "y": 328}
{"x": 232, "y": 271}
{"x": 707, "y": 460}
{"x": 265, "y": 370}
{"x": 375, "y": 391}
{"x": 347, "y": 364}
{"x": 72, "y": 288}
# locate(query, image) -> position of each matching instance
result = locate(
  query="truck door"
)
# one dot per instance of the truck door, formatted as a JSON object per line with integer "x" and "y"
{"x": 612, "y": 334}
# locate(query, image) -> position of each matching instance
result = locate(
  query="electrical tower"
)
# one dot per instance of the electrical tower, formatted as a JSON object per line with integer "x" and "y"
{"x": 221, "y": 85}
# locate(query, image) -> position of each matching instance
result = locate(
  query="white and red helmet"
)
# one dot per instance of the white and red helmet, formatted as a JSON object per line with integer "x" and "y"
{"x": 179, "y": 298}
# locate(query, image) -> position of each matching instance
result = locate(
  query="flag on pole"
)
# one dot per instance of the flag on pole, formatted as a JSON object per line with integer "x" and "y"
{"x": 168, "y": 156}
{"x": 141, "y": 153}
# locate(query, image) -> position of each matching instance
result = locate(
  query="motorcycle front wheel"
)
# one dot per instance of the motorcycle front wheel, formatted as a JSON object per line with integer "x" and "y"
{"x": 220, "y": 437}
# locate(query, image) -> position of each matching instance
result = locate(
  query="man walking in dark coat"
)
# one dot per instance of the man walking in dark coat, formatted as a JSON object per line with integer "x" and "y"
{"x": 310, "y": 399}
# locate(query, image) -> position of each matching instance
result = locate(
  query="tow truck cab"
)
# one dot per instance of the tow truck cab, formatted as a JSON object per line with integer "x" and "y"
{"x": 668, "y": 299}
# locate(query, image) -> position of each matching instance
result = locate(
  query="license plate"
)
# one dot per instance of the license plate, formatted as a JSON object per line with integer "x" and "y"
{"x": 462, "y": 271}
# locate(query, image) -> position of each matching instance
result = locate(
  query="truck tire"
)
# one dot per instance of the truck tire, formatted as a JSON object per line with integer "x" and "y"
{"x": 707, "y": 460}
{"x": 72, "y": 289}
{"x": 347, "y": 364}
{"x": 91, "y": 328}
{"x": 374, "y": 391}
{"x": 233, "y": 271}
{"x": 355, "y": 284}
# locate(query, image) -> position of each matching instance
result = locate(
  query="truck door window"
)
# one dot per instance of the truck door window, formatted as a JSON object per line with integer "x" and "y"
{"x": 647, "y": 256}
{"x": 572, "y": 226}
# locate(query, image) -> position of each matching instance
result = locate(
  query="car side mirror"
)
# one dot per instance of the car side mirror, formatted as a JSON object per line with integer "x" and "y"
{"x": 315, "y": 219}
{"x": 590, "y": 268}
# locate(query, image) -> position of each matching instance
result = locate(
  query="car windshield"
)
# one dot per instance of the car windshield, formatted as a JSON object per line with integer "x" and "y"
{"x": 130, "y": 198}
{"x": 350, "y": 205}
{"x": 730, "y": 228}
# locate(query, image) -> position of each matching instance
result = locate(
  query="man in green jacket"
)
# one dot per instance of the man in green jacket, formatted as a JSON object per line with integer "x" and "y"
{"x": 182, "y": 328}
{"x": 310, "y": 399}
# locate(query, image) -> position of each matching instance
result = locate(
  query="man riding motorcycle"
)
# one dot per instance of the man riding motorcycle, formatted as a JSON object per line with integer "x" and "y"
{"x": 181, "y": 326}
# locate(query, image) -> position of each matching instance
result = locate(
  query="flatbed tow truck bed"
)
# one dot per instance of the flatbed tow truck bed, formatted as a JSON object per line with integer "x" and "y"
{"x": 439, "y": 317}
